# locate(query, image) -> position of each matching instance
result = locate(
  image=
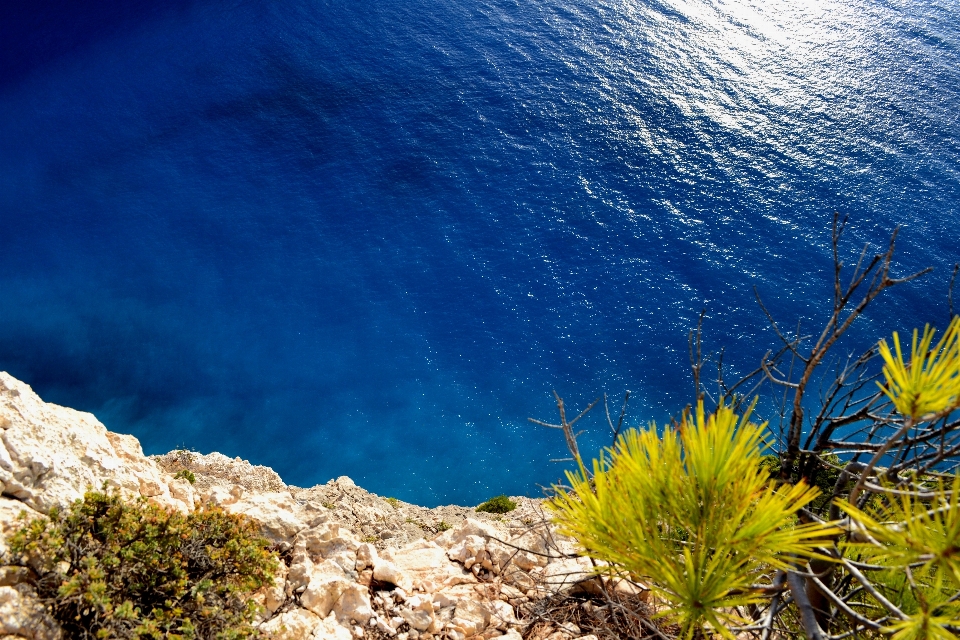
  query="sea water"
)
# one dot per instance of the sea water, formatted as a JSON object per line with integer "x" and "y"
{"x": 370, "y": 238}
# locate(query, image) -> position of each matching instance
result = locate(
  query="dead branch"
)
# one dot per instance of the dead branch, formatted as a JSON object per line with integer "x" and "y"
{"x": 567, "y": 427}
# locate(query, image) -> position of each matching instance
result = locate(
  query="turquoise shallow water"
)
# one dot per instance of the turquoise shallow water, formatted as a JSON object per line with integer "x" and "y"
{"x": 369, "y": 238}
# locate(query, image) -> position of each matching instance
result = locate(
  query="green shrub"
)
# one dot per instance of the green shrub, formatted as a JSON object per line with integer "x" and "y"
{"x": 393, "y": 502}
{"x": 107, "y": 568}
{"x": 824, "y": 477}
{"x": 498, "y": 504}
{"x": 187, "y": 475}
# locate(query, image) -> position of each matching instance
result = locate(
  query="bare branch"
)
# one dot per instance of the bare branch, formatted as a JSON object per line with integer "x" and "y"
{"x": 623, "y": 412}
{"x": 545, "y": 424}
{"x": 696, "y": 355}
{"x": 808, "y": 617}
{"x": 582, "y": 413}
{"x": 567, "y": 427}
{"x": 837, "y": 325}
{"x": 765, "y": 366}
{"x": 868, "y": 586}
{"x": 790, "y": 344}
{"x": 778, "y": 581}
{"x": 953, "y": 279}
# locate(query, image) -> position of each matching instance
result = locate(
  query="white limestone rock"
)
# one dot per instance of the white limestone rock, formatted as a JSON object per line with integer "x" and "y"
{"x": 367, "y": 556}
{"x": 427, "y": 566}
{"x": 328, "y": 590}
{"x": 328, "y": 541}
{"x": 21, "y": 615}
{"x": 353, "y": 604}
{"x": 331, "y": 629}
{"x": 468, "y": 527}
{"x": 324, "y": 562}
{"x": 481, "y": 547}
{"x": 296, "y": 624}
{"x": 502, "y": 615}
{"x": 277, "y": 513}
{"x": 466, "y": 609}
{"x": 272, "y": 597}
{"x": 471, "y": 617}
{"x": 563, "y": 574}
{"x": 183, "y": 491}
{"x": 215, "y": 469}
{"x": 49, "y": 455}
{"x": 222, "y": 495}
{"x": 417, "y": 618}
{"x": 323, "y": 581}
{"x": 395, "y": 523}
{"x": 472, "y": 550}
{"x": 388, "y": 572}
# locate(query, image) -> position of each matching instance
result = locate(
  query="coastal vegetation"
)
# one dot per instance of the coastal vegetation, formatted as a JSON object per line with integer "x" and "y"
{"x": 694, "y": 508}
{"x": 498, "y": 504}
{"x": 110, "y": 568}
{"x": 187, "y": 475}
{"x": 838, "y": 517}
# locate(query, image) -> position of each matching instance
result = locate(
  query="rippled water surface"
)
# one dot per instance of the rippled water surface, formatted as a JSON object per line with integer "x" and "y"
{"x": 368, "y": 238}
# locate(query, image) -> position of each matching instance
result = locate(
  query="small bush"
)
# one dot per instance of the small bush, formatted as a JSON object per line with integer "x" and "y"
{"x": 498, "y": 504}
{"x": 187, "y": 475}
{"x": 824, "y": 477}
{"x": 106, "y": 568}
{"x": 443, "y": 526}
{"x": 393, "y": 502}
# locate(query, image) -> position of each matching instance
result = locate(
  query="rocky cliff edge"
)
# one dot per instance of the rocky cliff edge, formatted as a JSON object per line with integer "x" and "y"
{"x": 355, "y": 565}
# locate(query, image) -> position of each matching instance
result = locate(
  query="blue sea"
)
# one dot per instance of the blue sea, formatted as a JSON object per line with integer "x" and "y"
{"x": 370, "y": 238}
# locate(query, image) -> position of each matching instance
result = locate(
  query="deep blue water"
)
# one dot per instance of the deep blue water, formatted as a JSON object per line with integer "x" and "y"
{"x": 368, "y": 238}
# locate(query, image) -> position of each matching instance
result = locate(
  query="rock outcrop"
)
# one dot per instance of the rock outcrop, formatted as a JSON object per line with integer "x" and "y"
{"x": 50, "y": 454}
{"x": 355, "y": 565}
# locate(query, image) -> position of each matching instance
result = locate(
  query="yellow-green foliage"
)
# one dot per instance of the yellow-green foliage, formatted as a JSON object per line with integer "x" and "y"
{"x": 930, "y": 383}
{"x": 916, "y": 532}
{"x": 107, "y": 568}
{"x": 692, "y": 511}
{"x": 919, "y": 538}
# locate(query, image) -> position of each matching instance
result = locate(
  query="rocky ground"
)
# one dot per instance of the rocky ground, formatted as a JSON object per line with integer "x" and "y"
{"x": 355, "y": 565}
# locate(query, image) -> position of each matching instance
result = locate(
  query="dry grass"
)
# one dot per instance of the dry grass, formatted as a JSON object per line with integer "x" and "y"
{"x": 613, "y": 616}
